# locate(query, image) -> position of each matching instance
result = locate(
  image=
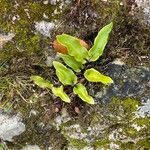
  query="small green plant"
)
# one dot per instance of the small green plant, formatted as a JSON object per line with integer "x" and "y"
{"x": 76, "y": 58}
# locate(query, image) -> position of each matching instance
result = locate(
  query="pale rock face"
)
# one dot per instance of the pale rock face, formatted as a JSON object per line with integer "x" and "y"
{"x": 145, "y": 109}
{"x": 44, "y": 27}
{"x": 31, "y": 147}
{"x": 5, "y": 38}
{"x": 10, "y": 126}
{"x": 144, "y": 5}
{"x": 53, "y": 2}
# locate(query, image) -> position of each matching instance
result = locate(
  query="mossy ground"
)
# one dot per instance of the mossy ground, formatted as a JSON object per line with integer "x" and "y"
{"x": 113, "y": 123}
{"x": 25, "y": 55}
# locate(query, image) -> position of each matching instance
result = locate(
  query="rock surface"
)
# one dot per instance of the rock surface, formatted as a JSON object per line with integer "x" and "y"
{"x": 119, "y": 120}
{"x": 45, "y": 28}
{"x": 128, "y": 82}
{"x": 5, "y": 38}
{"x": 31, "y": 147}
{"x": 122, "y": 120}
{"x": 10, "y": 126}
{"x": 144, "y": 6}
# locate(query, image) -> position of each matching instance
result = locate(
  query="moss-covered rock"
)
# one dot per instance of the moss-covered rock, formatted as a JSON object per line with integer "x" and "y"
{"x": 20, "y": 18}
{"x": 115, "y": 122}
{"x": 115, "y": 126}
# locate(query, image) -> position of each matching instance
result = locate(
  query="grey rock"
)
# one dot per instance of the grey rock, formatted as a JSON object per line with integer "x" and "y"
{"x": 144, "y": 110}
{"x": 45, "y": 28}
{"x": 4, "y": 38}
{"x": 110, "y": 120}
{"x": 31, "y": 147}
{"x": 144, "y": 6}
{"x": 10, "y": 126}
{"x": 128, "y": 82}
{"x": 53, "y": 2}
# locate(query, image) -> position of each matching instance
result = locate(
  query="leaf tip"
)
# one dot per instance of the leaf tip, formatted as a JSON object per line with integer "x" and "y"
{"x": 109, "y": 81}
{"x": 92, "y": 102}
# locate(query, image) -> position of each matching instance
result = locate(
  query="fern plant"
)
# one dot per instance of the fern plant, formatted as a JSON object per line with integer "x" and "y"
{"x": 75, "y": 59}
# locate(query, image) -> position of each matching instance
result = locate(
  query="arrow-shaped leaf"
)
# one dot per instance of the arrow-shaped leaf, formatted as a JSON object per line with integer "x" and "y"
{"x": 81, "y": 91}
{"x": 74, "y": 47}
{"x": 93, "y": 75}
{"x": 64, "y": 74}
{"x": 71, "y": 62}
{"x": 41, "y": 82}
{"x": 100, "y": 42}
{"x": 59, "y": 92}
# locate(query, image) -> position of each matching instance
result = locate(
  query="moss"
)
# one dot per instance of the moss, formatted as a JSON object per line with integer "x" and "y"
{"x": 101, "y": 143}
{"x": 26, "y": 13}
{"x": 124, "y": 109}
{"x": 118, "y": 114}
{"x": 143, "y": 121}
{"x": 77, "y": 143}
{"x": 144, "y": 143}
{"x": 41, "y": 137}
{"x": 129, "y": 35}
{"x": 130, "y": 105}
{"x": 108, "y": 10}
{"x": 4, "y": 84}
{"x": 128, "y": 145}
{"x": 131, "y": 132}
{"x": 120, "y": 123}
{"x": 38, "y": 129}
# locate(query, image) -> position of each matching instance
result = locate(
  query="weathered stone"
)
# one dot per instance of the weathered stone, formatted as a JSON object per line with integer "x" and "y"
{"x": 5, "y": 38}
{"x": 45, "y": 28}
{"x": 143, "y": 11}
{"x": 128, "y": 82}
{"x": 10, "y": 126}
{"x": 118, "y": 120}
{"x": 31, "y": 147}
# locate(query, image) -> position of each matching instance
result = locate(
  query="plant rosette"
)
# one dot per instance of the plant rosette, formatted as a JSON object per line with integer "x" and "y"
{"x": 75, "y": 54}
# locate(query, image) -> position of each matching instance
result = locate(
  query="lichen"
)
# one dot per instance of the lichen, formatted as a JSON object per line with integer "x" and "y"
{"x": 112, "y": 126}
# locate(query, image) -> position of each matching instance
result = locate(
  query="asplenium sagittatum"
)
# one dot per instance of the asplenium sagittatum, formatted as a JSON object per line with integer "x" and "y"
{"x": 75, "y": 55}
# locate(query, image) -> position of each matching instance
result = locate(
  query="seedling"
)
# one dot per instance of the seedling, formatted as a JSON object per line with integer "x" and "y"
{"x": 75, "y": 55}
